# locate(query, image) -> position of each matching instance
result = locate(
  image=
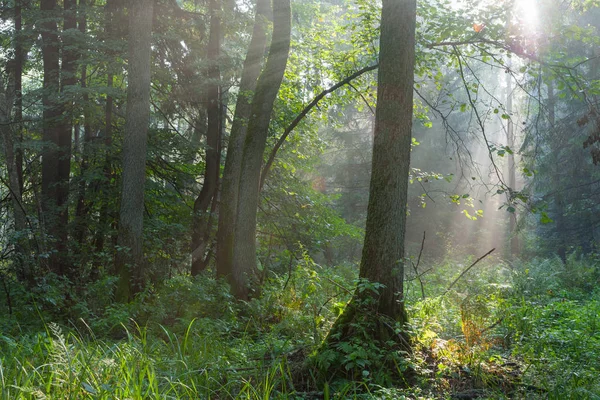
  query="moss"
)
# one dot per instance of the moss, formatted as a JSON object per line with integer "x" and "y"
{"x": 367, "y": 346}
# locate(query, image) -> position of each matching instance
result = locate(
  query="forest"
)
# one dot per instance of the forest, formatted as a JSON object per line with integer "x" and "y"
{"x": 300, "y": 199}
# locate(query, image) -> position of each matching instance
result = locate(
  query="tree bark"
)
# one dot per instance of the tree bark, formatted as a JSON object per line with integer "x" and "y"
{"x": 512, "y": 180}
{"x": 14, "y": 153}
{"x": 129, "y": 259}
{"x": 82, "y": 208}
{"x": 267, "y": 87}
{"x": 68, "y": 80}
{"x": 383, "y": 251}
{"x": 233, "y": 161}
{"x": 57, "y": 145}
{"x": 20, "y": 222}
{"x": 202, "y": 220}
{"x": 559, "y": 203}
{"x": 19, "y": 62}
{"x": 112, "y": 11}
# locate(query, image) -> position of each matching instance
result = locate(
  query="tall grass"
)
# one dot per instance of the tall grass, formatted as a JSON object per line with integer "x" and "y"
{"x": 500, "y": 332}
{"x": 58, "y": 365}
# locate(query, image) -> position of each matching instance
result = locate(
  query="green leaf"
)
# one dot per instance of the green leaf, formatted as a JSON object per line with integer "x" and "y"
{"x": 88, "y": 388}
{"x": 545, "y": 219}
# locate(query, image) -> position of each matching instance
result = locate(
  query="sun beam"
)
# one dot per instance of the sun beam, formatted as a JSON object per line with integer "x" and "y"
{"x": 527, "y": 12}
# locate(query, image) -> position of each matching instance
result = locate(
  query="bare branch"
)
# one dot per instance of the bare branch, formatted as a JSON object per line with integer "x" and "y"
{"x": 303, "y": 114}
{"x": 467, "y": 270}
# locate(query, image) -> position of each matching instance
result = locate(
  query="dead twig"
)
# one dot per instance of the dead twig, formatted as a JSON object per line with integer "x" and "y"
{"x": 467, "y": 270}
{"x": 416, "y": 268}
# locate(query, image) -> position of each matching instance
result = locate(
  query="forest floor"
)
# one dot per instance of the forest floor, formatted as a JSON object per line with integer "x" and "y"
{"x": 505, "y": 330}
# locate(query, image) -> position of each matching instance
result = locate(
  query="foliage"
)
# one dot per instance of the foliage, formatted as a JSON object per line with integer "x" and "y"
{"x": 518, "y": 326}
{"x": 504, "y": 331}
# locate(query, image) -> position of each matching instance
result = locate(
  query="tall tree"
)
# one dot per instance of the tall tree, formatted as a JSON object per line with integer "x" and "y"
{"x": 56, "y": 136}
{"x": 68, "y": 82}
{"x": 510, "y": 142}
{"x": 233, "y": 161}
{"x": 82, "y": 208}
{"x": 129, "y": 260}
{"x": 20, "y": 54}
{"x": 559, "y": 203}
{"x": 8, "y": 93}
{"x": 383, "y": 252}
{"x": 244, "y": 252}
{"x": 512, "y": 179}
{"x": 12, "y": 140}
{"x": 202, "y": 220}
{"x": 113, "y": 16}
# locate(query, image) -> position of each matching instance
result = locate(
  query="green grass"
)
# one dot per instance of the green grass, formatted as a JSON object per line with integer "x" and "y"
{"x": 529, "y": 330}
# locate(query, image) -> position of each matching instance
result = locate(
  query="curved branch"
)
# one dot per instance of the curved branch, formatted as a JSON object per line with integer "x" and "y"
{"x": 303, "y": 113}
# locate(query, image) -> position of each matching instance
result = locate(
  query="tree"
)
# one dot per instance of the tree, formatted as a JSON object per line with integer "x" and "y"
{"x": 563, "y": 185}
{"x": 131, "y": 219}
{"x": 13, "y": 154}
{"x": 114, "y": 18}
{"x": 7, "y": 94}
{"x": 233, "y": 161}
{"x": 202, "y": 221}
{"x": 57, "y": 143}
{"x": 82, "y": 206}
{"x": 512, "y": 179}
{"x": 267, "y": 87}
{"x": 378, "y": 304}
{"x": 20, "y": 56}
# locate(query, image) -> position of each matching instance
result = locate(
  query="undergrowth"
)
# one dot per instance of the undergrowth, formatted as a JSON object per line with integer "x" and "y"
{"x": 505, "y": 330}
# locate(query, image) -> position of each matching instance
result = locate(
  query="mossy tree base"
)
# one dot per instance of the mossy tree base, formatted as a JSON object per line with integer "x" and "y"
{"x": 365, "y": 345}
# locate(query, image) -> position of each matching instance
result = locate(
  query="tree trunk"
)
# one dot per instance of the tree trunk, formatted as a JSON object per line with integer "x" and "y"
{"x": 383, "y": 252}
{"x": 19, "y": 61}
{"x": 14, "y": 154}
{"x": 21, "y": 249}
{"x": 235, "y": 147}
{"x": 56, "y": 136}
{"x": 82, "y": 208}
{"x": 267, "y": 87}
{"x": 112, "y": 11}
{"x": 202, "y": 220}
{"x": 68, "y": 80}
{"x": 559, "y": 203}
{"x": 512, "y": 181}
{"x": 129, "y": 259}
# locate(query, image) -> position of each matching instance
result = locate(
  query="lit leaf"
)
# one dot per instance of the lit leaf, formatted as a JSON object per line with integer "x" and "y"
{"x": 546, "y": 219}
